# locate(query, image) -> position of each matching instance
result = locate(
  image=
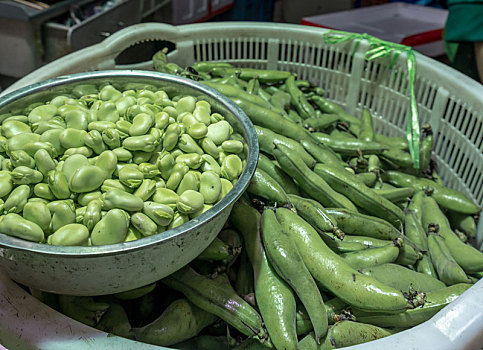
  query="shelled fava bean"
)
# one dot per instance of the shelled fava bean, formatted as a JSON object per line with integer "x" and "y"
{"x": 103, "y": 166}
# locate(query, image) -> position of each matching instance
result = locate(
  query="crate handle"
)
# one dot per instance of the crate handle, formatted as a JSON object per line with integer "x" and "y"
{"x": 99, "y": 56}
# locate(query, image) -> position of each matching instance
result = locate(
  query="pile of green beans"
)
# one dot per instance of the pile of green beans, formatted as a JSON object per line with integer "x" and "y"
{"x": 337, "y": 241}
{"x": 102, "y": 166}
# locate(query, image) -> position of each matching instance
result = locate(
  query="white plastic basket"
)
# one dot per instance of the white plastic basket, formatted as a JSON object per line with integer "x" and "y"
{"x": 448, "y": 100}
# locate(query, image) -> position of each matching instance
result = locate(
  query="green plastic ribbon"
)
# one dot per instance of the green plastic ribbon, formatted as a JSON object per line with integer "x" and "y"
{"x": 380, "y": 48}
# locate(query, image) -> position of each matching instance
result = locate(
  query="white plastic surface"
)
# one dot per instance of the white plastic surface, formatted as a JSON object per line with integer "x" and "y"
{"x": 392, "y": 22}
{"x": 450, "y": 101}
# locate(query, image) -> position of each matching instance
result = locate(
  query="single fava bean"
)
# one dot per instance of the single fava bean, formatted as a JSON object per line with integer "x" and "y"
{"x": 123, "y": 155}
{"x": 23, "y": 175}
{"x": 188, "y": 145}
{"x": 108, "y": 112}
{"x": 146, "y": 189}
{"x": 219, "y": 132}
{"x": 100, "y": 125}
{"x": 192, "y": 160}
{"x": 178, "y": 220}
{"x": 166, "y": 196}
{"x": 84, "y": 198}
{"x": 38, "y": 213}
{"x": 40, "y": 113}
{"x": 171, "y": 136}
{"x": 190, "y": 201}
{"x": 6, "y": 184}
{"x": 92, "y": 214}
{"x": 165, "y": 164}
{"x": 86, "y": 179}
{"x": 44, "y": 161}
{"x": 190, "y": 181}
{"x": 205, "y": 208}
{"x": 116, "y": 198}
{"x": 17, "y": 199}
{"x": 210, "y": 187}
{"x": 186, "y": 104}
{"x": 109, "y": 93}
{"x": 21, "y": 158}
{"x": 146, "y": 143}
{"x": 13, "y": 127}
{"x": 107, "y": 161}
{"x": 76, "y": 119}
{"x": 15, "y": 225}
{"x": 232, "y": 146}
{"x": 226, "y": 186}
{"x": 19, "y": 141}
{"x": 70, "y": 235}
{"x": 131, "y": 176}
{"x": 52, "y": 137}
{"x": 144, "y": 224}
{"x": 231, "y": 167}
{"x": 198, "y": 130}
{"x": 111, "y": 229}
{"x": 161, "y": 214}
{"x": 93, "y": 139}
{"x": 210, "y": 148}
{"x": 85, "y": 151}
{"x": 161, "y": 120}
{"x": 149, "y": 171}
{"x": 210, "y": 164}
{"x": 179, "y": 171}
{"x": 42, "y": 190}
{"x": 111, "y": 137}
{"x": 72, "y": 164}
{"x": 72, "y": 138}
{"x": 141, "y": 124}
{"x": 63, "y": 213}
{"x": 114, "y": 183}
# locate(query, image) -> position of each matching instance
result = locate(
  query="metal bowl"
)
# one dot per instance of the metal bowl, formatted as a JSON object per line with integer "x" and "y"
{"x": 108, "y": 269}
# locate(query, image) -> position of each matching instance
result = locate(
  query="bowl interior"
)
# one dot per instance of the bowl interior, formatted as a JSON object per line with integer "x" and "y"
{"x": 15, "y": 103}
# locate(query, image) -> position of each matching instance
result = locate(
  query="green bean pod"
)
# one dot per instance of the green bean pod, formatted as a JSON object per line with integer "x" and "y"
{"x": 267, "y": 140}
{"x": 304, "y": 108}
{"x": 349, "y": 147}
{"x": 371, "y": 256}
{"x": 414, "y": 231}
{"x": 469, "y": 258}
{"x": 82, "y": 309}
{"x": 425, "y": 266}
{"x": 217, "y": 297}
{"x": 264, "y": 186}
{"x": 181, "y": 320}
{"x": 308, "y": 180}
{"x": 264, "y": 75}
{"x": 447, "y": 268}
{"x": 396, "y": 195}
{"x": 115, "y": 321}
{"x": 355, "y": 223}
{"x": 369, "y": 179}
{"x": 315, "y": 214}
{"x": 446, "y": 197}
{"x": 367, "y": 130}
{"x": 335, "y": 274}
{"x": 271, "y": 120}
{"x": 321, "y": 123}
{"x": 332, "y": 108}
{"x": 216, "y": 251}
{"x": 360, "y": 194}
{"x": 403, "y": 279}
{"x": 265, "y": 164}
{"x": 433, "y": 302}
{"x": 345, "y": 333}
{"x": 464, "y": 223}
{"x": 286, "y": 260}
{"x": 274, "y": 297}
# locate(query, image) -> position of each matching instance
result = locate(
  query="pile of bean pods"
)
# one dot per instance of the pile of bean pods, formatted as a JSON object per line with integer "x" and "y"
{"x": 102, "y": 166}
{"x": 337, "y": 241}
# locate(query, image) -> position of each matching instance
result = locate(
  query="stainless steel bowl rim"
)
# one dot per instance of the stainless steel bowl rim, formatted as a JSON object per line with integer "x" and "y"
{"x": 119, "y": 248}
